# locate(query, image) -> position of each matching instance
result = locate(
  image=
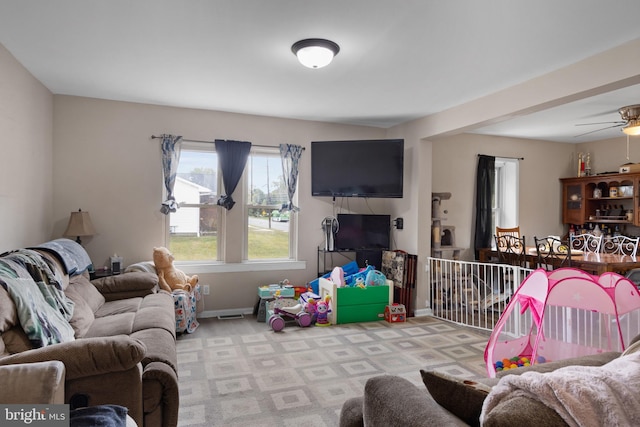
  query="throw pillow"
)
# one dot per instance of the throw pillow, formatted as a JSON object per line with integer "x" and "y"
{"x": 463, "y": 398}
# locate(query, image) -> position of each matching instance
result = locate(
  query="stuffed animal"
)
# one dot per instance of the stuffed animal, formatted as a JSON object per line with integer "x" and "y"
{"x": 322, "y": 308}
{"x": 169, "y": 277}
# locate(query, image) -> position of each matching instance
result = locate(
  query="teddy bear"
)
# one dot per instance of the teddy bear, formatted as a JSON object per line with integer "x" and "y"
{"x": 169, "y": 277}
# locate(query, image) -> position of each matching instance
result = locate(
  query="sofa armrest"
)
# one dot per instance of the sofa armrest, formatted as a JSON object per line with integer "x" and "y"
{"x": 32, "y": 383}
{"x": 391, "y": 400}
{"x": 128, "y": 285}
{"x": 87, "y": 356}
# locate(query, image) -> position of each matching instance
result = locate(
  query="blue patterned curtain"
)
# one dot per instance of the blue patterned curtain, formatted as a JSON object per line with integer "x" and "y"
{"x": 290, "y": 155}
{"x": 232, "y": 157}
{"x": 171, "y": 146}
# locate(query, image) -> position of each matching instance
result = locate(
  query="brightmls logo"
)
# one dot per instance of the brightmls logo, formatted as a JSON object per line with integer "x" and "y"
{"x": 36, "y": 415}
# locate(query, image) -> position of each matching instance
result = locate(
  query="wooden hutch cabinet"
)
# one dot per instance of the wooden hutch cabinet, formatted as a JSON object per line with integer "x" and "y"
{"x": 601, "y": 199}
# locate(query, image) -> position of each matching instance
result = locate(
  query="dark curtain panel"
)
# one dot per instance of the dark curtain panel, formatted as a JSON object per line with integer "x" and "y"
{"x": 484, "y": 195}
{"x": 232, "y": 157}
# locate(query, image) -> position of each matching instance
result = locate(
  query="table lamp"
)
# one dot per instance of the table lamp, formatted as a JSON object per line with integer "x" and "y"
{"x": 80, "y": 225}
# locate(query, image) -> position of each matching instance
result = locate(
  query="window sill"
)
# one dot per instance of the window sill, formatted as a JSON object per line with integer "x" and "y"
{"x": 196, "y": 267}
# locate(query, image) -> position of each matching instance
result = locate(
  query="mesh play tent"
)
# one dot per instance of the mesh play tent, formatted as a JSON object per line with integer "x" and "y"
{"x": 555, "y": 315}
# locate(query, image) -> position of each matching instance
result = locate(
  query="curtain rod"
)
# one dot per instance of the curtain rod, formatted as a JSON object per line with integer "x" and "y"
{"x": 212, "y": 142}
{"x": 504, "y": 157}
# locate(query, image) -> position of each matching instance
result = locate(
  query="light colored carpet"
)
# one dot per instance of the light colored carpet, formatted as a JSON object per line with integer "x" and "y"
{"x": 240, "y": 373}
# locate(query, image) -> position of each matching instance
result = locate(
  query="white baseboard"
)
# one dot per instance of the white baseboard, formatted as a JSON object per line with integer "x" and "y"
{"x": 229, "y": 312}
{"x": 423, "y": 312}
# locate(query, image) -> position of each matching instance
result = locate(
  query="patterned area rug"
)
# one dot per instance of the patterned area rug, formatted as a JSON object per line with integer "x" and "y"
{"x": 240, "y": 373}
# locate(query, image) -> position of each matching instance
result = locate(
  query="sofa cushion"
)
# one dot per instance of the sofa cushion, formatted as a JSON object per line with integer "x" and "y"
{"x": 87, "y": 291}
{"x": 129, "y": 305}
{"x": 156, "y": 311}
{"x": 82, "y": 314}
{"x": 116, "y": 324}
{"x": 463, "y": 398}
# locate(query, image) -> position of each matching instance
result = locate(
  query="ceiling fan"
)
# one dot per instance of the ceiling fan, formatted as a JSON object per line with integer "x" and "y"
{"x": 630, "y": 122}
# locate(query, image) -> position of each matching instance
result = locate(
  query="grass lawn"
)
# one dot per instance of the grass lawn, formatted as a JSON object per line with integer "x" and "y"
{"x": 263, "y": 244}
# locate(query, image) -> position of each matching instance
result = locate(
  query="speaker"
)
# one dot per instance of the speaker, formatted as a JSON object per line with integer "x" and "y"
{"x": 366, "y": 257}
{"x": 330, "y": 227}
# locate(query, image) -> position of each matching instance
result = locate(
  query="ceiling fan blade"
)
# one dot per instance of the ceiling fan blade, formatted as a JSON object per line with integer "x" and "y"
{"x": 601, "y": 123}
{"x": 598, "y": 130}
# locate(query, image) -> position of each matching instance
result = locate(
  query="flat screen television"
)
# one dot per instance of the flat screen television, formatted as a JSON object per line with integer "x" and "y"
{"x": 361, "y": 168}
{"x": 357, "y": 231}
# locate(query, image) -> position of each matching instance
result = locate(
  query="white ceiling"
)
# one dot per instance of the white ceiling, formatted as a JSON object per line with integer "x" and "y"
{"x": 399, "y": 60}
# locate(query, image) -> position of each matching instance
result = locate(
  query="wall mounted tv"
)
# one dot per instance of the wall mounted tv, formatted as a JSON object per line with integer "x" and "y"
{"x": 357, "y": 231}
{"x": 361, "y": 168}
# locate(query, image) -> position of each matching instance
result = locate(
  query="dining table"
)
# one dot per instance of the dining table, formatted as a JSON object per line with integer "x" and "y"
{"x": 591, "y": 262}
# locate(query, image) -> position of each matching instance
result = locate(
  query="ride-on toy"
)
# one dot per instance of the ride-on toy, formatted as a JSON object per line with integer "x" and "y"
{"x": 289, "y": 308}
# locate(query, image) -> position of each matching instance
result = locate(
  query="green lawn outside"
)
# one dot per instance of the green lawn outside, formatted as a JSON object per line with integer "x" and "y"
{"x": 263, "y": 244}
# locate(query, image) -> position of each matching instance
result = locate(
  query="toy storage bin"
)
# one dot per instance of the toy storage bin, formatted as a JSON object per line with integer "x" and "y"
{"x": 349, "y": 305}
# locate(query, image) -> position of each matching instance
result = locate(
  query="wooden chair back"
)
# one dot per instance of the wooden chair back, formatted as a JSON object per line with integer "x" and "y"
{"x": 511, "y": 250}
{"x": 552, "y": 253}
{"x": 513, "y": 231}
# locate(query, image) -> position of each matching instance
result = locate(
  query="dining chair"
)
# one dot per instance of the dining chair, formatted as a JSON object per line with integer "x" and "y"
{"x": 511, "y": 250}
{"x": 552, "y": 252}
{"x": 622, "y": 245}
{"x": 513, "y": 231}
{"x": 586, "y": 242}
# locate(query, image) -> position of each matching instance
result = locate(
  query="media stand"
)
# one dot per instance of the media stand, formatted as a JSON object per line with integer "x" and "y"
{"x": 361, "y": 256}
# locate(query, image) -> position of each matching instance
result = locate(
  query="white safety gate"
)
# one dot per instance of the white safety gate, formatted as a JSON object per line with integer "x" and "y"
{"x": 471, "y": 293}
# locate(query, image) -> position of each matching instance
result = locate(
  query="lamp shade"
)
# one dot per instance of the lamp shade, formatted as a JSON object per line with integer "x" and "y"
{"x": 315, "y": 53}
{"x": 80, "y": 225}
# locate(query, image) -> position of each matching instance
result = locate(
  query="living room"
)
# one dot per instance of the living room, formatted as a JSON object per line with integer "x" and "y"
{"x": 63, "y": 152}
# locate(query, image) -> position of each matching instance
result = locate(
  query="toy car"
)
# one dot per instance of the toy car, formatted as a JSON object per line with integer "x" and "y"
{"x": 283, "y": 308}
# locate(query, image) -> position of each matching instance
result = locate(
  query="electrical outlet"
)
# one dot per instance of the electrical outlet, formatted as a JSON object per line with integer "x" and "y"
{"x": 399, "y": 223}
{"x": 205, "y": 290}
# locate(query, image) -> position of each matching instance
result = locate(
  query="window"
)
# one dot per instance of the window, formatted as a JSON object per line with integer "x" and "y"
{"x": 199, "y": 232}
{"x": 268, "y": 228}
{"x": 194, "y": 230}
{"x": 505, "y": 193}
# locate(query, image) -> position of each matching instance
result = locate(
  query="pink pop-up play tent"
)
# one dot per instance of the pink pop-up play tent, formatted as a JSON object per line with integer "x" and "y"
{"x": 565, "y": 313}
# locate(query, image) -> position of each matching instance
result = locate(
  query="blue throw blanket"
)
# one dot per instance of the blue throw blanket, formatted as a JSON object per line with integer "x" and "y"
{"x": 101, "y": 415}
{"x": 72, "y": 255}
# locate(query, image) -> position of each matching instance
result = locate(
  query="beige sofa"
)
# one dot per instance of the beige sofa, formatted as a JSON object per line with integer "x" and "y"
{"x": 123, "y": 351}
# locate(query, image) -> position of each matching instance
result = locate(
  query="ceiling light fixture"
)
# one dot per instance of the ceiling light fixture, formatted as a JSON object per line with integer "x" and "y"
{"x": 631, "y": 114}
{"x": 315, "y": 53}
{"x": 633, "y": 128}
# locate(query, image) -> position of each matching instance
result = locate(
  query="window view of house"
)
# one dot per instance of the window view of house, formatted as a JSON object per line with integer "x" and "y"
{"x": 193, "y": 228}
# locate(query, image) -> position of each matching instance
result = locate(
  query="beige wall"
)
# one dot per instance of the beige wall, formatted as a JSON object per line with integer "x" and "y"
{"x": 608, "y": 155}
{"x": 454, "y": 170}
{"x": 26, "y": 112}
{"x": 106, "y": 163}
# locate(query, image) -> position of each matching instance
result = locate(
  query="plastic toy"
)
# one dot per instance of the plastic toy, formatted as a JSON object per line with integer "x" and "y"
{"x": 282, "y": 310}
{"x": 515, "y": 362}
{"x": 311, "y": 308}
{"x": 323, "y": 312}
